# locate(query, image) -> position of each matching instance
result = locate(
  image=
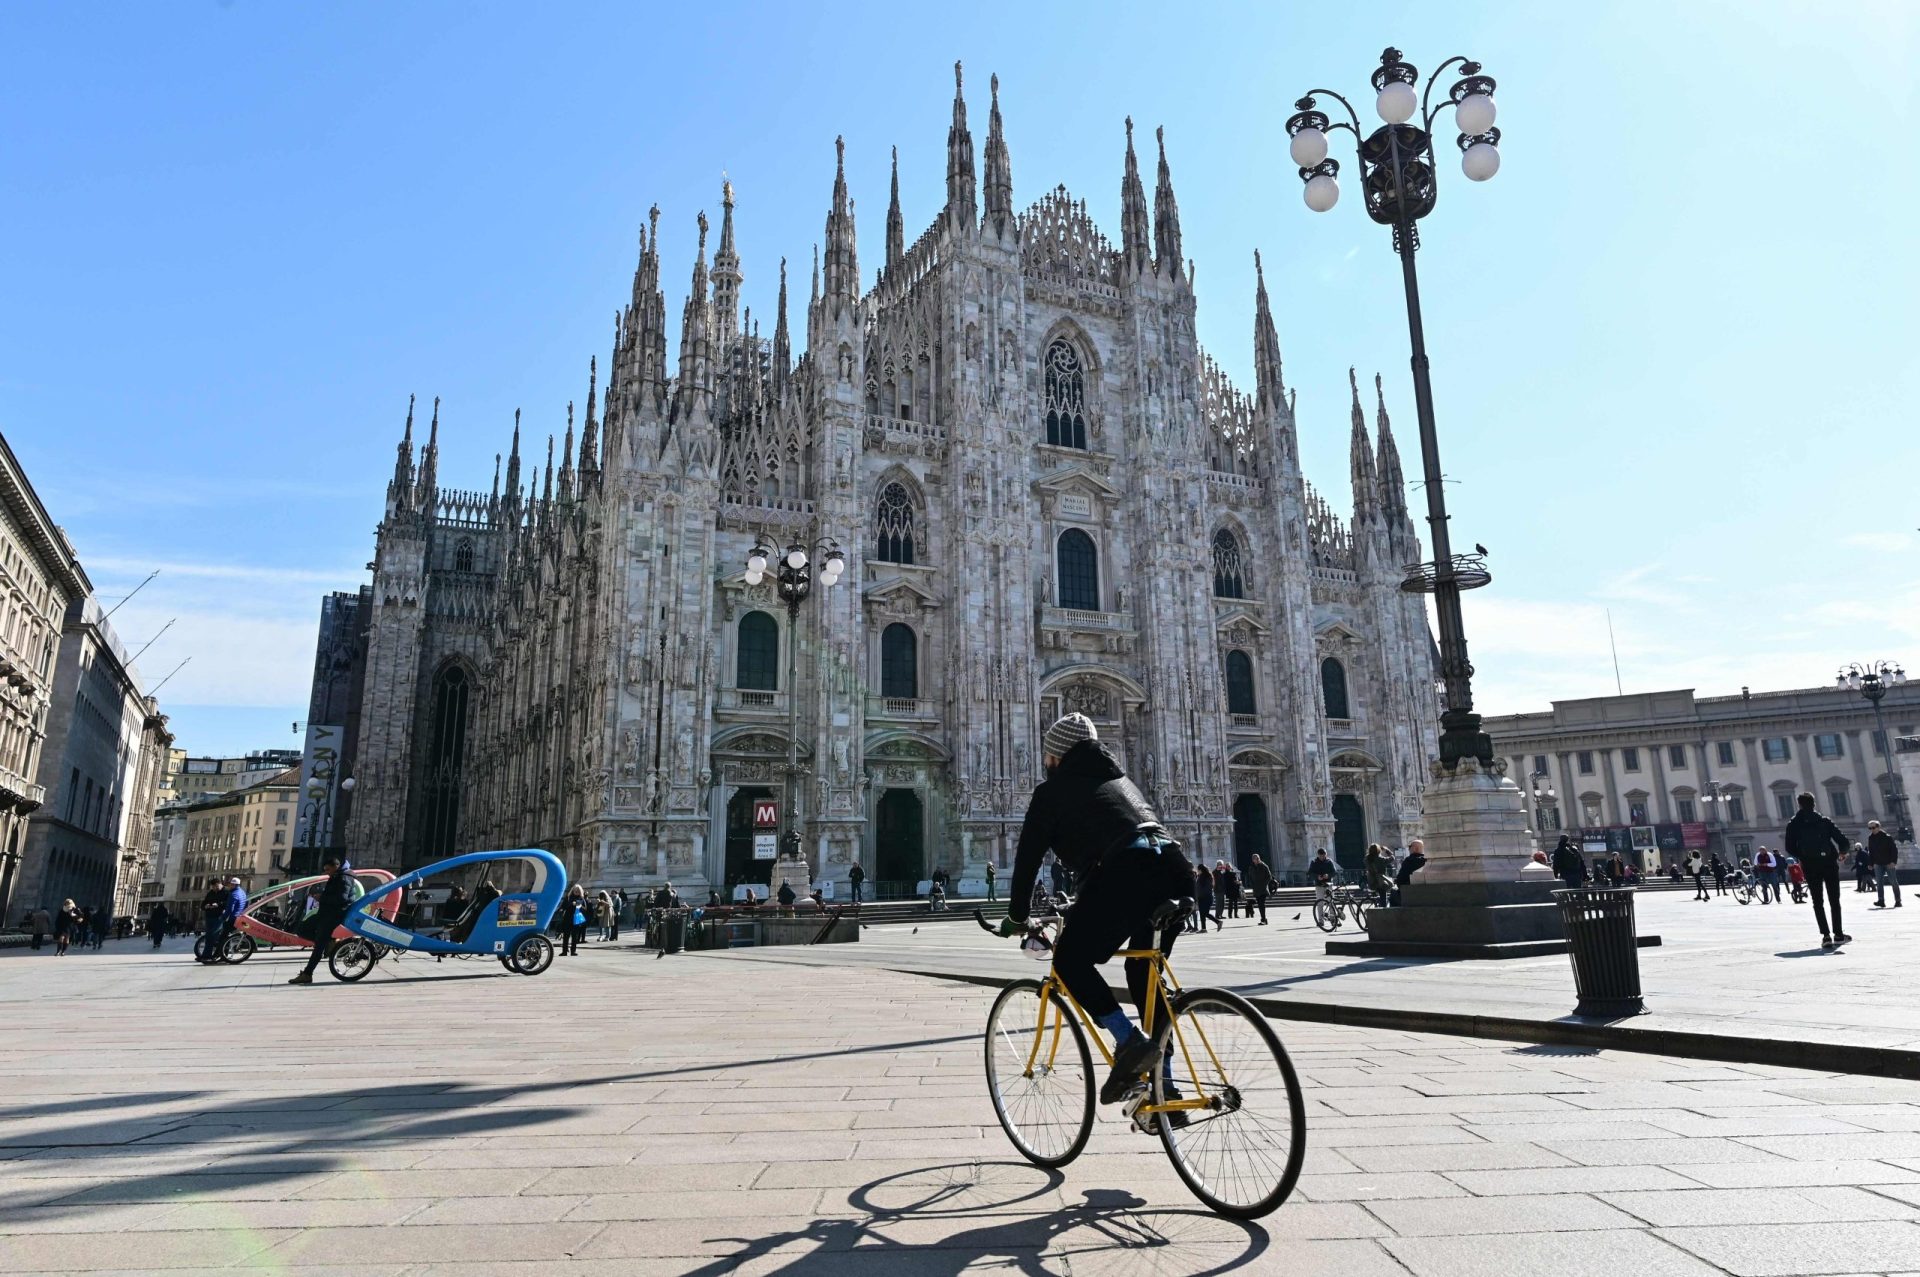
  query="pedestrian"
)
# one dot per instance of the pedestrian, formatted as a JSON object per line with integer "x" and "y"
{"x": 102, "y": 925}
{"x": 1410, "y": 864}
{"x": 1818, "y": 844}
{"x": 1569, "y": 866}
{"x": 157, "y": 920}
{"x": 1223, "y": 905}
{"x": 1796, "y": 881}
{"x": 1203, "y": 897}
{"x": 1719, "y": 868}
{"x": 603, "y": 913}
{"x": 1062, "y": 879}
{"x": 330, "y": 908}
{"x": 991, "y": 874}
{"x": 856, "y": 877}
{"x": 786, "y": 897}
{"x": 573, "y": 917}
{"x": 1862, "y": 869}
{"x": 1260, "y": 883}
{"x": 1885, "y": 855}
{"x": 1766, "y": 868}
{"x": 1321, "y": 871}
{"x": 1696, "y": 868}
{"x": 618, "y": 906}
{"x": 66, "y": 920}
{"x": 1379, "y": 867}
{"x": 39, "y": 923}
{"x": 1616, "y": 871}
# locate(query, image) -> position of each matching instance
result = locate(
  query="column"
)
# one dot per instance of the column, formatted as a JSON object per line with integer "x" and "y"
{"x": 1759, "y": 799}
{"x": 1571, "y": 816}
{"x": 1867, "y": 805}
{"x": 1616, "y": 815}
{"x": 1805, "y": 751}
{"x": 1662, "y": 808}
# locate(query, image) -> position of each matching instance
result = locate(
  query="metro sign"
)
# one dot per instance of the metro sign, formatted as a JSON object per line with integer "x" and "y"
{"x": 766, "y": 813}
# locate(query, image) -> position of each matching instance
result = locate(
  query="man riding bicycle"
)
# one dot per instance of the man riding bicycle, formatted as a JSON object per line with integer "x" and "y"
{"x": 1099, "y": 824}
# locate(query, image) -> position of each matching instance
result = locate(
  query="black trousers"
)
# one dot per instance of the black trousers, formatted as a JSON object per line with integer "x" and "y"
{"x": 322, "y": 926}
{"x": 1827, "y": 880}
{"x": 1112, "y": 909}
{"x": 1260, "y": 903}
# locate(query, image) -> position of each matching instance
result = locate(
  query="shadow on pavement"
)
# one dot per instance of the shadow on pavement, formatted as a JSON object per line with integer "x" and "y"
{"x": 1012, "y": 1223}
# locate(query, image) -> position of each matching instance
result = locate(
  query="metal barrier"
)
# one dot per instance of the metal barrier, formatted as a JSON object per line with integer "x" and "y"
{"x": 1605, "y": 950}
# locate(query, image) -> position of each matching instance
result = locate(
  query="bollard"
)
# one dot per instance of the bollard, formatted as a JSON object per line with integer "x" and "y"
{"x": 1605, "y": 950}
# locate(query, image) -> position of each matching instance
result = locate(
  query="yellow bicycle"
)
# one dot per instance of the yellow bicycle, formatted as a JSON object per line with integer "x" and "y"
{"x": 1229, "y": 1110}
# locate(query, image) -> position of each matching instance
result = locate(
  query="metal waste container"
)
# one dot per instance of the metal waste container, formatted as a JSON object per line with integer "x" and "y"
{"x": 673, "y": 932}
{"x": 1605, "y": 950}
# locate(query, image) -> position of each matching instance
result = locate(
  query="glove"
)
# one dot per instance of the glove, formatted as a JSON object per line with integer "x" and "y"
{"x": 1010, "y": 926}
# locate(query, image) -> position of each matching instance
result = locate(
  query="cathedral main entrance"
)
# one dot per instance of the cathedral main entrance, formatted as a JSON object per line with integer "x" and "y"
{"x": 1350, "y": 836}
{"x": 741, "y": 866}
{"x": 899, "y": 845}
{"x": 1250, "y": 831}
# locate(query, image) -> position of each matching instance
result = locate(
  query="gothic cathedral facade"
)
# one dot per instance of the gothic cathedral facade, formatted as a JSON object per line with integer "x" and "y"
{"x": 1049, "y": 499}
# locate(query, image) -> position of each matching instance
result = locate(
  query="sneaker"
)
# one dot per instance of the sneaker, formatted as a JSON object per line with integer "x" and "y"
{"x": 1826, "y": 942}
{"x": 1880, "y": 905}
{"x": 1843, "y": 938}
{"x": 1130, "y": 1063}
{"x": 302, "y": 978}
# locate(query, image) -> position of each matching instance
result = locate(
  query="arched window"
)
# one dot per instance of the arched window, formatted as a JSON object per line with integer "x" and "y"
{"x": 1240, "y": 698}
{"x": 757, "y": 667}
{"x": 893, "y": 525}
{"x": 1079, "y": 571}
{"x": 1227, "y": 581}
{"x": 446, "y": 753}
{"x": 1066, "y": 397}
{"x": 899, "y": 662}
{"x": 1333, "y": 688}
{"x": 463, "y": 555}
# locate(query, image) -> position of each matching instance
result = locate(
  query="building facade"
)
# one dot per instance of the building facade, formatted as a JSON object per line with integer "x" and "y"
{"x": 138, "y": 852}
{"x": 245, "y": 832}
{"x": 1719, "y": 773}
{"x": 39, "y": 579}
{"x": 1050, "y": 498}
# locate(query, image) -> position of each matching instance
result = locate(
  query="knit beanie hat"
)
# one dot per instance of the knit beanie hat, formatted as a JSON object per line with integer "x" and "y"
{"x": 1066, "y": 733}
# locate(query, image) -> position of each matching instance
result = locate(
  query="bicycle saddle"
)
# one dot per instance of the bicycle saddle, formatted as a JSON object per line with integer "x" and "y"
{"x": 1167, "y": 911}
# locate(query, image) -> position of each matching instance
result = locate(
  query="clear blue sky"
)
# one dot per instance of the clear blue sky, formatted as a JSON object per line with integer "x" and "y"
{"x": 1672, "y": 341}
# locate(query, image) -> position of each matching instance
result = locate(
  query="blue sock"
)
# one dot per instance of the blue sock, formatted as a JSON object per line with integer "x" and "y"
{"x": 1117, "y": 1023}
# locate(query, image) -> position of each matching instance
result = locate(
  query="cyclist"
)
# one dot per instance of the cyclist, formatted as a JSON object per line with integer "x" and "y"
{"x": 1101, "y": 827}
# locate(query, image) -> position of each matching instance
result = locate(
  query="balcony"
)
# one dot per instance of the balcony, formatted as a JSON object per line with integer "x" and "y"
{"x": 899, "y": 707}
{"x": 20, "y": 791}
{"x": 1244, "y": 722}
{"x": 742, "y": 700}
{"x": 1077, "y": 629}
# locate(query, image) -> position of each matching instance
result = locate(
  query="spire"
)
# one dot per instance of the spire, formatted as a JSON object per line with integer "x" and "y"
{"x": 843, "y": 262}
{"x": 400, "y": 489}
{"x": 546, "y": 491}
{"x": 726, "y": 275}
{"x": 813, "y": 294}
{"x": 999, "y": 184}
{"x": 566, "y": 459}
{"x": 1269, "y": 387}
{"x": 896, "y": 225}
{"x": 1393, "y": 484}
{"x": 960, "y": 202}
{"x": 513, "y": 465}
{"x": 695, "y": 322}
{"x": 588, "y": 461}
{"x": 646, "y": 322}
{"x": 1134, "y": 238}
{"x": 430, "y": 461}
{"x": 493, "y": 502}
{"x": 1166, "y": 217}
{"x": 1365, "y": 485}
{"x": 782, "y": 341}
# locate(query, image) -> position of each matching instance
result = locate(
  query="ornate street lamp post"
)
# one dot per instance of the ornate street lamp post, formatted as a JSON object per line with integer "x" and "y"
{"x": 1398, "y": 183}
{"x": 1543, "y": 801}
{"x": 794, "y": 579}
{"x": 1871, "y": 681}
{"x": 1719, "y": 799}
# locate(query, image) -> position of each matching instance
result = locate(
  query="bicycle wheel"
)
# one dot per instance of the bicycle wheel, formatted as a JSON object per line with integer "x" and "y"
{"x": 237, "y": 947}
{"x": 1359, "y": 906}
{"x": 1744, "y": 893}
{"x": 352, "y": 959}
{"x": 1325, "y": 915}
{"x": 532, "y": 955}
{"x": 1039, "y": 1075}
{"x": 1242, "y": 1153}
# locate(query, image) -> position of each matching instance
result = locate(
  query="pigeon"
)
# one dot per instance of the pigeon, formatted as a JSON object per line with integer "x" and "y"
{"x": 916, "y": 931}
{"x": 1296, "y": 917}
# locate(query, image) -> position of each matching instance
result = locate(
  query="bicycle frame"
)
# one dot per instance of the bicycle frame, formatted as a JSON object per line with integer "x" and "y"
{"x": 1160, "y": 985}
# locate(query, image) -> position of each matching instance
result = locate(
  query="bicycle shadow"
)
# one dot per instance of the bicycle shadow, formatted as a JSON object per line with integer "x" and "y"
{"x": 1023, "y": 1230}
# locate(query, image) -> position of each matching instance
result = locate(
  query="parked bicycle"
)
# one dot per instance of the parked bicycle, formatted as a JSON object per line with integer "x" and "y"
{"x": 1343, "y": 900}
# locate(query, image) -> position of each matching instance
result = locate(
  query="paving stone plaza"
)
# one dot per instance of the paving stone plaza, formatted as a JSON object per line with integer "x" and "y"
{"x": 823, "y": 1111}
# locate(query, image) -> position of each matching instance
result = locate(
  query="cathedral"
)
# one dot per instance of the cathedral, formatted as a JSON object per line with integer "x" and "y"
{"x": 1045, "y": 497}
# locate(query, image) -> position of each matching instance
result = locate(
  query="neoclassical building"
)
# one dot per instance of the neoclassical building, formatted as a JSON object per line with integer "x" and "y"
{"x": 1050, "y": 498}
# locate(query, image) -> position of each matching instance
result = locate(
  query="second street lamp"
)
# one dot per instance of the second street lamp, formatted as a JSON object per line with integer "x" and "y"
{"x": 1398, "y": 183}
{"x": 1872, "y": 680}
{"x": 794, "y": 576}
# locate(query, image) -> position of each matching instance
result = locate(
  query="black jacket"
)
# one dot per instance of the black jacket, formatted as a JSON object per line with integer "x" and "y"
{"x": 1881, "y": 848}
{"x": 1083, "y": 810}
{"x": 1568, "y": 863}
{"x": 1817, "y": 842}
{"x": 1260, "y": 879}
{"x": 1411, "y": 864}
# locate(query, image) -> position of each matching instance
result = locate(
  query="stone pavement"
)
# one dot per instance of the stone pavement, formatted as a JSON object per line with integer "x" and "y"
{"x": 1753, "y": 971}
{"x": 706, "y": 1114}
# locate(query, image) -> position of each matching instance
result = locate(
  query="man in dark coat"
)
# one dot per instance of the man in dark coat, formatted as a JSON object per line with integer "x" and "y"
{"x": 1410, "y": 864}
{"x": 1260, "y": 883}
{"x": 1569, "y": 866}
{"x": 1885, "y": 855}
{"x": 336, "y": 897}
{"x": 856, "y": 878}
{"x": 1818, "y": 844}
{"x": 158, "y": 921}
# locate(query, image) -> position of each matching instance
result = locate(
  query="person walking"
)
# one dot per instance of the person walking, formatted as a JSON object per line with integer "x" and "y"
{"x": 1766, "y": 869}
{"x": 1260, "y": 883}
{"x": 1569, "y": 866}
{"x": 1719, "y": 868}
{"x": 336, "y": 897}
{"x": 618, "y": 903}
{"x": 158, "y": 920}
{"x": 1203, "y": 897}
{"x": 102, "y": 925}
{"x": 991, "y": 874}
{"x": 1696, "y": 869}
{"x": 39, "y": 924}
{"x": 66, "y": 921}
{"x": 857, "y": 877}
{"x": 1885, "y": 855}
{"x": 573, "y": 916}
{"x": 1410, "y": 864}
{"x": 1222, "y": 900}
{"x": 1818, "y": 844}
{"x": 1862, "y": 870}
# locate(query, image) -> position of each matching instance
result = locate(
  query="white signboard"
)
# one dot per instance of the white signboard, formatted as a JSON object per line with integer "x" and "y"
{"x": 319, "y": 783}
{"x": 766, "y": 846}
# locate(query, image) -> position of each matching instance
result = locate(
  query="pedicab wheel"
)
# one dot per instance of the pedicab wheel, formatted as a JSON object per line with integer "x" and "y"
{"x": 352, "y": 959}
{"x": 1240, "y": 1154}
{"x": 1323, "y": 915}
{"x": 532, "y": 955}
{"x": 1039, "y": 1075}
{"x": 238, "y": 948}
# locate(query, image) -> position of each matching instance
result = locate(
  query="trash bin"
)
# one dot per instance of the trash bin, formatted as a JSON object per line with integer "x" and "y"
{"x": 1605, "y": 950}
{"x": 673, "y": 932}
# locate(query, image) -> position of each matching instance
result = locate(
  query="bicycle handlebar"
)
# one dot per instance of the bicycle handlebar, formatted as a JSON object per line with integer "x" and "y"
{"x": 984, "y": 924}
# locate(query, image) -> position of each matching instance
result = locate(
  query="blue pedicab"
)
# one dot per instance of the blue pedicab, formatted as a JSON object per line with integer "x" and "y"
{"x": 510, "y": 925}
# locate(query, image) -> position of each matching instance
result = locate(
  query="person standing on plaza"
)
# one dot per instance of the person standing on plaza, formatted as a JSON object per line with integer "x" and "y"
{"x": 1696, "y": 870}
{"x": 856, "y": 878}
{"x": 102, "y": 926}
{"x": 158, "y": 919}
{"x": 990, "y": 880}
{"x": 1260, "y": 883}
{"x": 1818, "y": 844}
{"x": 1885, "y": 855}
{"x": 603, "y": 913}
{"x": 1862, "y": 870}
{"x": 573, "y": 920}
{"x": 335, "y": 899}
{"x": 66, "y": 920}
{"x": 619, "y": 900}
{"x": 1719, "y": 868}
{"x": 1410, "y": 864}
{"x": 1203, "y": 897}
{"x": 1569, "y": 866}
{"x": 39, "y": 923}
{"x": 1222, "y": 898}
